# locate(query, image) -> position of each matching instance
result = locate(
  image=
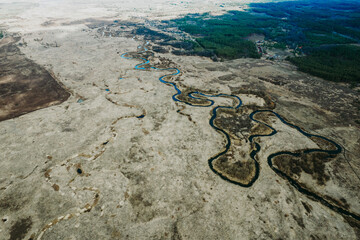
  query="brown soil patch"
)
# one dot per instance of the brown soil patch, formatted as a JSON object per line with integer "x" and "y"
{"x": 24, "y": 85}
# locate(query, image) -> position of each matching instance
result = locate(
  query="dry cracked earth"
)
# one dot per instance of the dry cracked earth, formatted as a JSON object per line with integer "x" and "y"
{"x": 105, "y": 134}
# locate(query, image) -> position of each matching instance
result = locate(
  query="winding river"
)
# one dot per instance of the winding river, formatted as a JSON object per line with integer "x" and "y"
{"x": 252, "y": 138}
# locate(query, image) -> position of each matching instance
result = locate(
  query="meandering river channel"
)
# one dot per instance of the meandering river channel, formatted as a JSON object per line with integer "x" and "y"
{"x": 196, "y": 95}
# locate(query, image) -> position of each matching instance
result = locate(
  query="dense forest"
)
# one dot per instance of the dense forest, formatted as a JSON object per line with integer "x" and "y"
{"x": 224, "y": 35}
{"x": 312, "y": 23}
{"x": 323, "y": 32}
{"x": 337, "y": 63}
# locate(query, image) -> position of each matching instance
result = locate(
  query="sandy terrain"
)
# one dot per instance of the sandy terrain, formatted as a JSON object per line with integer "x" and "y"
{"x": 120, "y": 159}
